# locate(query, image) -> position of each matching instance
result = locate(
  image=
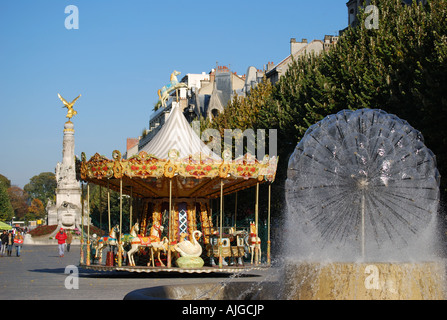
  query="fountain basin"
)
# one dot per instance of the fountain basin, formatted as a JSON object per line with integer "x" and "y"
{"x": 320, "y": 281}
{"x": 364, "y": 281}
{"x": 247, "y": 290}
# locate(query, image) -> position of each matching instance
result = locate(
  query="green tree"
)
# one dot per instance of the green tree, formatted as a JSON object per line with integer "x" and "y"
{"x": 399, "y": 68}
{"x": 5, "y": 181}
{"x": 99, "y": 207}
{"x": 42, "y": 187}
{"x": 242, "y": 112}
{"x": 6, "y": 210}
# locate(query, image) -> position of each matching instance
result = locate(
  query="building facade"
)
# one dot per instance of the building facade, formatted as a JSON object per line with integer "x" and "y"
{"x": 297, "y": 49}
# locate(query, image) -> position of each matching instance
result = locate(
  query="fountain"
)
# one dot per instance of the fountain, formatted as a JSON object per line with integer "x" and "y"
{"x": 362, "y": 196}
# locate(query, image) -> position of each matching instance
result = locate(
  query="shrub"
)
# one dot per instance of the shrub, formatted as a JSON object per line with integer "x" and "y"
{"x": 42, "y": 230}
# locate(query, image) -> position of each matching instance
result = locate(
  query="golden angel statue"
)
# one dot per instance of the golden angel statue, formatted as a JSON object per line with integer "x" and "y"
{"x": 71, "y": 112}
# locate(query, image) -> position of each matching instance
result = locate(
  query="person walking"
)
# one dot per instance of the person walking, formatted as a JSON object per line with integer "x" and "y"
{"x": 4, "y": 237}
{"x": 68, "y": 241}
{"x": 61, "y": 236}
{"x": 18, "y": 243}
{"x": 10, "y": 242}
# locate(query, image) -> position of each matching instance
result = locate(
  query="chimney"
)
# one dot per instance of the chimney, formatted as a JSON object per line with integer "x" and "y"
{"x": 297, "y": 46}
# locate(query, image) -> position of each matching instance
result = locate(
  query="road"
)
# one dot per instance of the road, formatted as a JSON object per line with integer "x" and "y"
{"x": 39, "y": 274}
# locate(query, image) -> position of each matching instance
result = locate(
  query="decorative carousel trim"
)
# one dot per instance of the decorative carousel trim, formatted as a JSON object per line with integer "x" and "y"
{"x": 144, "y": 166}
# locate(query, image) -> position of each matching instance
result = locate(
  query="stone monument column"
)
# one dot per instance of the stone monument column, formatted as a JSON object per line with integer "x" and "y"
{"x": 66, "y": 212}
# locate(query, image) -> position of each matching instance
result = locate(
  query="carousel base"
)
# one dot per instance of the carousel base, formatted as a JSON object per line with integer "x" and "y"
{"x": 205, "y": 269}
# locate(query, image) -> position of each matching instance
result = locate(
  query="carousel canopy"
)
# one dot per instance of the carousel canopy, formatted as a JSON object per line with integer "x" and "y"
{"x": 177, "y": 134}
{"x": 176, "y": 153}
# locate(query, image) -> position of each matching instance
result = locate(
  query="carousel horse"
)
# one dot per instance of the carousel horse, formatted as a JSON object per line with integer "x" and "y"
{"x": 156, "y": 248}
{"x": 254, "y": 243}
{"x": 174, "y": 84}
{"x": 138, "y": 241}
{"x": 238, "y": 249}
{"x": 213, "y": 249}
{"x": 110, "y": 240}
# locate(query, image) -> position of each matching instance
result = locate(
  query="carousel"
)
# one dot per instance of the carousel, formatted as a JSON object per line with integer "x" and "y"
{"x": 171, "y": 183}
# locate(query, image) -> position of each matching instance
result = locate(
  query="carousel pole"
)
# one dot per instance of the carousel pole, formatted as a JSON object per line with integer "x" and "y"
{"x": 268, "y": 226}
{"x": 81, "y": 260}
{"x": 130, "y": 207}
{"x": 88, "y": 225}
{"x": 120, "y": 253}
{"x": 108, "y": 204}
{"x": 100, "y": 207}
{"x": 235, "y": 213}
{"x": 256, "y": 220}
{"x": 220, "y": 225}
{"x": 170, "y": 224}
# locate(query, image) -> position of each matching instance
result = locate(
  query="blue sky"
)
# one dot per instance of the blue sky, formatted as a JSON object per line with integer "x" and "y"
{"x": 122, "y": 53}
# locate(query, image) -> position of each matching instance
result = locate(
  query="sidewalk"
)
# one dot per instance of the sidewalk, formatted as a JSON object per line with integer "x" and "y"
{"x": 38, "y": 274}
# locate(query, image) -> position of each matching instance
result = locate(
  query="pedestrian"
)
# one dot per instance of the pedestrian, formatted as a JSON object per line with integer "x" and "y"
{"x": 4, "y": 237}
{"x": 69, "y": 239}
{"x": 10, "y": 242}
{"x": 18, "y": 243}
{"x": 61, "y": 236}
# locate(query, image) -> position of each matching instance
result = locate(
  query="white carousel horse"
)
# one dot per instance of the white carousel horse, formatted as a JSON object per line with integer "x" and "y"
{"x": 111, "y": 240}
{"x": 137, "y": 241}
{"x": 254, "y": 243}
{"x": 174, "y": 84}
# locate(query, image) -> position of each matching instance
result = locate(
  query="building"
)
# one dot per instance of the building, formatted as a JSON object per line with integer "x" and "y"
{"x": 206, "y": 95}
{"x": 194, "y": 82}
{"x": 297, "y": 49}
{"x": 213, "y": 95}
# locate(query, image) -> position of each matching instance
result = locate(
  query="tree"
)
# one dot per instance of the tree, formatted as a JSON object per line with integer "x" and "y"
{"x": 6, "y": 210}
{"x": 241, "y": 112}
{"x": 98, "y": 207}
{"x": 19, "y": 201}
{"x": 5, "y": 181}
{"x": 42, "y": 187}
{"x": 37, "y": 209}
{"x": 399, "y": 68}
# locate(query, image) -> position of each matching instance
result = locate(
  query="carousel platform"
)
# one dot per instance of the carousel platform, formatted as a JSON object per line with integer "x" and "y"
{"x": 205, "y": 269}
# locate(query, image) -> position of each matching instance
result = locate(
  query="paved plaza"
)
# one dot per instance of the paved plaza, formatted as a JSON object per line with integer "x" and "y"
{"x": 39, "y": 274}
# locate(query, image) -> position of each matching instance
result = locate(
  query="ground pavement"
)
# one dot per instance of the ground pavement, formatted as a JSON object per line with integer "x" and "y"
{"x": 39, "y": 274}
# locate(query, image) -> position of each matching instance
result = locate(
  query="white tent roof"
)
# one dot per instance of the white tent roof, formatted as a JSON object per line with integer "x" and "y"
{"x": 177, "y": 134}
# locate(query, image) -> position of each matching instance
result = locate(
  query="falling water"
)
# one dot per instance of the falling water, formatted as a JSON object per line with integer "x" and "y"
{"x": 362, "y": 196}
{"x": 362, "y": 185}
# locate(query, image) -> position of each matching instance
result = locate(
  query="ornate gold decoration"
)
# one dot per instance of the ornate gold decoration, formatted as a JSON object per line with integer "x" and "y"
{"x": 224, "y": 169}
{"x": 70, "y": 112}
{"x": 170, "y": 169}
